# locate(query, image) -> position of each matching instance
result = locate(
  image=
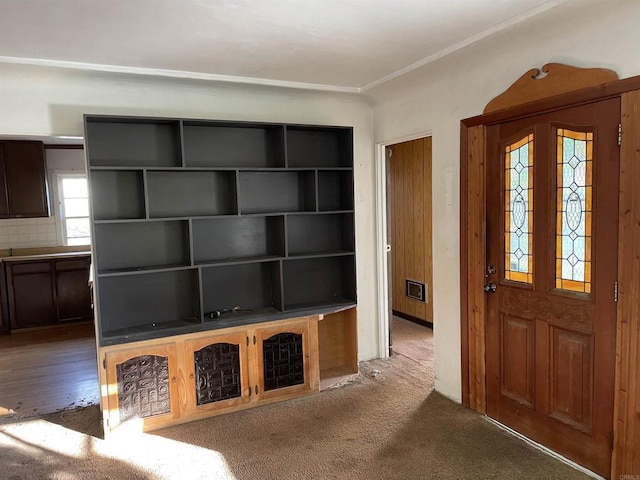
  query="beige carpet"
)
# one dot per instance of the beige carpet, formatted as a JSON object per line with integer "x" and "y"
{"x": 387, "y": 424}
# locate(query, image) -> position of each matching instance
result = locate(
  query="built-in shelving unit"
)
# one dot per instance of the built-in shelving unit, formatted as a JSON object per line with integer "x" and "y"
{"x": 201, "y": 225}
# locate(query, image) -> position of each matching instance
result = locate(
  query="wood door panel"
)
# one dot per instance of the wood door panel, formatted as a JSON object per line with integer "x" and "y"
{"x": 517, "y": 359}
{"x": 560, "y": 342}
{"x": 558, "y": 311}
{"x": 571, "y": 365}
{"x": 73, "y": 294}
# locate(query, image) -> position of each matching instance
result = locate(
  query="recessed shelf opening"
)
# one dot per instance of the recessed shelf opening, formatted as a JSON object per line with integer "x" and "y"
{"x": 134, "y": 143}
{"x": 209, "y": 144}
{"x": 275, "y": 192}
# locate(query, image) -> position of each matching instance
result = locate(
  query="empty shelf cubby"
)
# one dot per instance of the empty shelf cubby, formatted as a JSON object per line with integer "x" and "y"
{"x": 117, "y": 194}
{"x": 316, "y": 282}
{"x": 237, "y": 238}
{"x": 182, "y": 194}
{"x": 320, "y": 234}
{"x": 335, "y": 190}
{"x": 319, "y": 147}
{"x": 148, "y": 302}
{"x": 134, "y": 143}
{"x": 211, "y": 144}
{"x": 275, "y": 192}
{"x": 141, "y": 245}
{"x": 254, "y": 288}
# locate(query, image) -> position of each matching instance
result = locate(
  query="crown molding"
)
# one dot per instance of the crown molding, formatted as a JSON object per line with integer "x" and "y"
{"x": 158, "y": 72}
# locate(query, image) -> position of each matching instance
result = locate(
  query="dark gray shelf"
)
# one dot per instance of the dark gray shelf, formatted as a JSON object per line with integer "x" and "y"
{"x": 117, "y": 195}
{"x": 119, "y": 272}
{"x": 148, "y": 245}
{"x": 179, "y": 194}
{"x": 318, "y": 281}
{"x": 264, "y": 192}
{"x": 122, "y": 143}
{"x": 250, "y": 286}
{"x": 319, "y": 147}
{"x": 335, "y": 190}
{"x": 211, "y": 144}
{"x": 193, "y": 216}
{"x": 237, "y": 238}
{"x": 148, "y": 300}
{"x": 317, "y": 234}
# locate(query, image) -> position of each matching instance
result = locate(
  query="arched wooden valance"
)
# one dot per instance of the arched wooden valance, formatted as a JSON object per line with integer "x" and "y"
{"x": 553, "y": 79}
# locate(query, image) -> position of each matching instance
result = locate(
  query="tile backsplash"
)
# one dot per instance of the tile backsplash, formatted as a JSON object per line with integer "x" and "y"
{"x": 28, "y": 232}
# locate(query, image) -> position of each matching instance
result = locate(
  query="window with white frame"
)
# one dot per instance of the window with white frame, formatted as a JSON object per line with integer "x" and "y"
{"x": 73, "y": 208}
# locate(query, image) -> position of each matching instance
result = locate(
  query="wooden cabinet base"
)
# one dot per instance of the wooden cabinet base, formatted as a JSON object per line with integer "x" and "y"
{"x": 167, "y": 381}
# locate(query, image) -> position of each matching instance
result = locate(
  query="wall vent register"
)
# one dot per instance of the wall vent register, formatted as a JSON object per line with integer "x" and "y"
{"x": 415, "y": 290}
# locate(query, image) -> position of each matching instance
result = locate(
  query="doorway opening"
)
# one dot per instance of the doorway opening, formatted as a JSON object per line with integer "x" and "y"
{"x": 409, "y": 235}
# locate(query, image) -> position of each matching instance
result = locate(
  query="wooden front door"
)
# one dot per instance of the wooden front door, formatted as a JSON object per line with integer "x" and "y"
{"x": 552, "y": 229}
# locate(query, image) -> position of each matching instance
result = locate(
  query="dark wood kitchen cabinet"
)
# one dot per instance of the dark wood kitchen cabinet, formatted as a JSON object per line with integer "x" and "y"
{"x": 4, "y": 313}
{"x": 31, "y": 295}
{"x": 73, "y": 296}
{"x": 46, "y": 292}
{"x": 23, "y": 180}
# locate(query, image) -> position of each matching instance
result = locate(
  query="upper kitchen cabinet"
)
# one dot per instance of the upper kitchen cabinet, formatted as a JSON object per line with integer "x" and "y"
{"x": 23, "y": 180}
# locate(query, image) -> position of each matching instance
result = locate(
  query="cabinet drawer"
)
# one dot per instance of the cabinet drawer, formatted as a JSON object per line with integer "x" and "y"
{"x": 72, "y": 264}
{"x": 30, "y": 267}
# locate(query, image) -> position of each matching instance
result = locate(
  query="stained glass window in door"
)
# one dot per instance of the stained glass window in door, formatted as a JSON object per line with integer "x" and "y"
{"x": 519, "y": 211}
{"x": 574, "y": 210}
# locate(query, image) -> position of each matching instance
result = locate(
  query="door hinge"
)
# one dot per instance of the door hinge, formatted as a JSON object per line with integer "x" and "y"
{"x": 619, "y": 134}
{"x": 615, "y": 291}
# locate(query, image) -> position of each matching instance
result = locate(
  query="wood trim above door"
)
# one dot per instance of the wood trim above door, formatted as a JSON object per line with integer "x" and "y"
{"x": 559, "y": 79}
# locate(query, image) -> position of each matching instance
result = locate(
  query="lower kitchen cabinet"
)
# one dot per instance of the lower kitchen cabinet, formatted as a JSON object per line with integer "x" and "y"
{"x": 4, "y": 312}
{"x": 171, "y": 380}
{"x": 73, "y": 296}
{"x": 46, "y": 292}
{"x": 31, "y": 294}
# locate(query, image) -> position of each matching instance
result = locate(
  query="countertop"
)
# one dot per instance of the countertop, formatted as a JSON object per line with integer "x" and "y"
{"x": 42, "y": 253}
{"x": 43, "y": 256}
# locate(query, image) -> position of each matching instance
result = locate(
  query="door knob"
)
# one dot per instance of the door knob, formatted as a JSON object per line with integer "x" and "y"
{"x": 490, "y": 287}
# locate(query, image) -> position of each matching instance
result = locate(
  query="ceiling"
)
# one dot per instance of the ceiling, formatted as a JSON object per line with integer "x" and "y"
{"x": 344, "y": 45}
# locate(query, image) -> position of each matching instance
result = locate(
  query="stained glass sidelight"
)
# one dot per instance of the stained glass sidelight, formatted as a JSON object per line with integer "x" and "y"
{"x": 519, "y": 211}
{"x": 574, "y": 210}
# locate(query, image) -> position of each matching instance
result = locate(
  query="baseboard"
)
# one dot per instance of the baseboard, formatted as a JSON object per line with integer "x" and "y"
{"x": 413, "y": 319}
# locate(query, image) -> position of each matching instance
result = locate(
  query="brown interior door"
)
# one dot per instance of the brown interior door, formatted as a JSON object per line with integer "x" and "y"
{"x": 552, "y": 228}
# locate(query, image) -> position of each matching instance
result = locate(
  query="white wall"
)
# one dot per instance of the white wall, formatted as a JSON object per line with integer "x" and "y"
{"x": 49, "y": 101}
{"x": 436, "y": 97}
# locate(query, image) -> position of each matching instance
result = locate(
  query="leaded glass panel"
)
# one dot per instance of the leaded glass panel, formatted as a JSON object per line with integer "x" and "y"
{"x": 574, "y": 210}
{"x": 519, "y": 211}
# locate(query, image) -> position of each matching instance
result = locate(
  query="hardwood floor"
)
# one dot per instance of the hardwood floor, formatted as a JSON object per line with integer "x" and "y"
{"x": 412, "y": 340}
{"x": 46, "y": 371}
